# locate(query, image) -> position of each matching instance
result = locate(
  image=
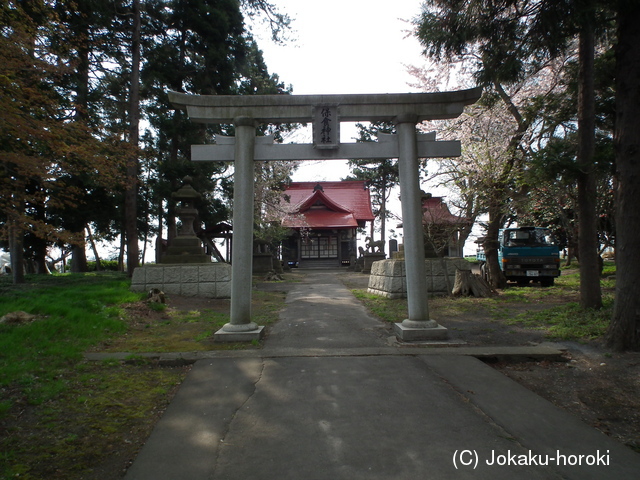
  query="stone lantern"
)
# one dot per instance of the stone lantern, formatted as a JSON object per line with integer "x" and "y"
{"x": 186, "y": 246}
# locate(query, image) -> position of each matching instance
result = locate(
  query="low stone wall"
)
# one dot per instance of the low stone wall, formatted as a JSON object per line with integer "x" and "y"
{"x": 388, "y": 277}
{"x": 210, "y": 280}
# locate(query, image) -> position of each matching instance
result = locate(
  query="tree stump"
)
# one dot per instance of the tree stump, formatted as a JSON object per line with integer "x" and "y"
{"x": 467, "y": 283}
{"x": 273, "y": 276}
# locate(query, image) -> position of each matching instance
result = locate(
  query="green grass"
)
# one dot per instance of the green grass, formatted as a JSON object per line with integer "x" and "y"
{"x": 73, "y": 312}
{"x": 63, "y": 417}
{"x": 103, "y": 415}
{"x": 554, "y": 310}
{"x": 172, "y": 330}
{"x": 569, "y": 321}
{"x": 389, "y": 310}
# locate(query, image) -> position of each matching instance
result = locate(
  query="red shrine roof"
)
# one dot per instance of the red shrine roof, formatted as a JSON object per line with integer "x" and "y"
{"x": 327, "y": 204}
{"x": 435, "y": 211}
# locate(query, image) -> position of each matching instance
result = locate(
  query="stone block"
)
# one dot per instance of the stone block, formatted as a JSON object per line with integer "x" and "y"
{"x": 397, "y": 268}
{"x": 154, "y": 274}
{"x": 436, "y": 266}
{"x": 189, "y": 274}
{"x": 207, "y": 273}
{"x": 207, "y": 290}
{"x": 223, "y": 272}
{"x": 223, "y": 289}
{"x": 370, "y": 259}
{"x": 385, "y": 274}
{"x": 172, "y": 289}
{"x": 378, "y": 268}
{"x": 189, "y": 289}
{"x": 139, "y": 276}
{"x": 398, "y": 285}
{"x": 211, "y": 280}
{"x": 429, "y": 285}
{"x": 439, "y": 285}
{"x": 172, "y": 274}
{"x": 262, "y": 262}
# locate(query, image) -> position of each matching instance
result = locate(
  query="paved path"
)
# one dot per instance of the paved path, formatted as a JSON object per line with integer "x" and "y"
{"x": 353, "y": 416}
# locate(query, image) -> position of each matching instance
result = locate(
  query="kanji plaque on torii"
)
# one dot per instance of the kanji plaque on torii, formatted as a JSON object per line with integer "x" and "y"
{"x": 326, "y": 112}
{"x": 326, "y": 127}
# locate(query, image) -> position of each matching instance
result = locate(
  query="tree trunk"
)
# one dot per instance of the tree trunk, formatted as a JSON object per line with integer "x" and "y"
{"x": 40, "y": 257}
{"x": 159, "y": 237}
{"x": 95, "y": 249}
{"x": 16, "y": 250}
{"x": 78, "y": 258}
{"x": 131, "y": 193}
{"x": 590, "y": 293}
{"x": 624, "y": 330}
{"x": 467, "y": 283}
{"x": 123, "y": 245}
{"x": 491, "y": 245}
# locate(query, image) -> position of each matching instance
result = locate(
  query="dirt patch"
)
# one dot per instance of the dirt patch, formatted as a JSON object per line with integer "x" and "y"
{"x": 601, "y": 388}
{"x": 182, "y": 324}
{"x": 94, "y": 430}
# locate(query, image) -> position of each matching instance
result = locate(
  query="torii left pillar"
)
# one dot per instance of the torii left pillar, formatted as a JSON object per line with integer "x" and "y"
{"x": 241, "y": 327}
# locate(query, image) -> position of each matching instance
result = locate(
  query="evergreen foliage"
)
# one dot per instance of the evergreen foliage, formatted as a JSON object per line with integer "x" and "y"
{"x": 70, "y": 149}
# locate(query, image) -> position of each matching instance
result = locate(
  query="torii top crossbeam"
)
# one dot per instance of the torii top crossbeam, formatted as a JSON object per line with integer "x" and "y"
{"x": 299, "y": 108}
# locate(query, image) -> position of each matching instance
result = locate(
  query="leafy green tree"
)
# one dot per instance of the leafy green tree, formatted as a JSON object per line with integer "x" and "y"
{"x": 552, "y": 170}
{"x": 200, "y": 48}
{"x": 508, "y": 40}
{"x": 41, "y": 140}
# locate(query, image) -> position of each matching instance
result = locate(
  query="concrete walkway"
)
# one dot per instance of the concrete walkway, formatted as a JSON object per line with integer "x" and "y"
{"x": 354, "y": 415}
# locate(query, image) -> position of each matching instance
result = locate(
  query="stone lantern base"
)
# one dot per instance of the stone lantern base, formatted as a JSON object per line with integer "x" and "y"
{"x": 185, "y": 250}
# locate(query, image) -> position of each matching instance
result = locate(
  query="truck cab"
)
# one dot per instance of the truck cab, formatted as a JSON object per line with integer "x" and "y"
{"x": 526, "y": 254}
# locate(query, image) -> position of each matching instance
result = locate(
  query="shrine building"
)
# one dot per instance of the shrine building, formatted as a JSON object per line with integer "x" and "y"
{"x": 324, "y": 218}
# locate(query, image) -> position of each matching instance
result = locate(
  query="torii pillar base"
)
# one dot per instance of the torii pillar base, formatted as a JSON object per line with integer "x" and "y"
{"x": 225, "y": 336}
{"x": 412, "y": 331}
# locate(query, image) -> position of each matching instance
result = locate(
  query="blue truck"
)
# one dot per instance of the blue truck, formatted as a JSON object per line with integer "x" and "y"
{"x": 526, "y": 254}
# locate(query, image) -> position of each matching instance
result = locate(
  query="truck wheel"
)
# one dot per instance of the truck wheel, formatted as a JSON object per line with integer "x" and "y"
{"x": 547, "y": 282}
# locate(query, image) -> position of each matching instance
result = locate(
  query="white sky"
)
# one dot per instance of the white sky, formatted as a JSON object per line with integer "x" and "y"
{"x": 344, "y": 46}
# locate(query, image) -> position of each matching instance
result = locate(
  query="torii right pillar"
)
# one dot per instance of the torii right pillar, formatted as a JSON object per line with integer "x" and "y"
{"x": 418, "y": 326}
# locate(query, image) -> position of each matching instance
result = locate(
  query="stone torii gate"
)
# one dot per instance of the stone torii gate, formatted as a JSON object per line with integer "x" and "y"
{"x": 325, "y": 112}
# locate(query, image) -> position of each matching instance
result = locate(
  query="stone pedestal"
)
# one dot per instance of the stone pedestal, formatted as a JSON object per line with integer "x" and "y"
{"x": 408, "y": 334}
{"x": 388, "y": 277}
{"x": 370, "y": 259}
{"x": 210, "y": 280}
{"x": 262, "y": 262}
{"x": 223, "y": 335}
{"x": 185, "y": 250}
